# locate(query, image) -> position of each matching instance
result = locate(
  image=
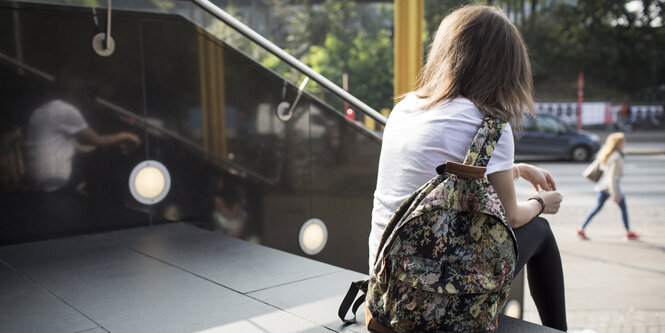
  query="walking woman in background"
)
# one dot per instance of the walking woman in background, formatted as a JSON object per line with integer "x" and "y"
{"x": 611, "y": 163}
{"x": 477, "y": 66}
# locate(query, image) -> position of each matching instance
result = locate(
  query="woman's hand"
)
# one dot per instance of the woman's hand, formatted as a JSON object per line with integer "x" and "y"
{"x": 552, "y": 201}
{"x": 520, "y": 213}
{"x": 539, "y": 178}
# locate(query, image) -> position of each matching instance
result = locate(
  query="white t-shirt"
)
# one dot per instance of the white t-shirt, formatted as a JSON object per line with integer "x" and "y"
{"x": 51, "y": 144}
{"x": 415, "y": 142}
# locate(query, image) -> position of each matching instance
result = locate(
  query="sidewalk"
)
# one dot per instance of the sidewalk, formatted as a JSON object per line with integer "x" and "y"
{"x": 612, "y": 285}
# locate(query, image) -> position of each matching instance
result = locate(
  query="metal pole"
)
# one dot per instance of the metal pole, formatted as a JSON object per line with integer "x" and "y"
{"x": 277, "y": 51}
{"x": 108, "y": 25}
{"x": 580, "y": 94}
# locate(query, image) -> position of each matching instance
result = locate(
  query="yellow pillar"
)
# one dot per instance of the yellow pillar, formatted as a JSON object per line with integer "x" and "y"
{"x": 211, "y": 74}
{"x": 408, "y": 44}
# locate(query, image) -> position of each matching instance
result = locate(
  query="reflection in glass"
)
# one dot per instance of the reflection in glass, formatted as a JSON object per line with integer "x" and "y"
{"x": 229, "y": 203}
{"x": 51, "y": 144}
{"x": 201, "y": 107}
{"x": 56, "y": 132}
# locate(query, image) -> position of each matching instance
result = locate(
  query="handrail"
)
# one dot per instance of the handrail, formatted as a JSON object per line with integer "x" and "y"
{"x": 291, "y": 60}
{"x": 142, "y": 121}
{"x": 29, "y": 68}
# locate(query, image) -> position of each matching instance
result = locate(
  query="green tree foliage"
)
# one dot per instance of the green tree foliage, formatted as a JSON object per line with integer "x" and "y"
{"x": 163, "y": 5}
{"x": 356, "y": 44}
{"x": 331, "y": 36}
{"x": 87, "y": 3}
{"x": 619, "y": 51}
{"x": 619, "y": 45}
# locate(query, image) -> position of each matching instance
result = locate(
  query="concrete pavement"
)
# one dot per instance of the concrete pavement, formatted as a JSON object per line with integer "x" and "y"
{"x": 613, "y": 285}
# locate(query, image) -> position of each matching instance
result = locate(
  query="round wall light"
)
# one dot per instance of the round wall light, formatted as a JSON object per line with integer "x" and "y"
{"x": 149, "y": 182}
{"x": 313, "y": 236}
{"x": 513, "y": 309}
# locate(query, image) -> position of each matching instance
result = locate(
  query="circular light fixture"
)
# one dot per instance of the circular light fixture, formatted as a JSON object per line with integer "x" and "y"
{"x": 313, "y": 236}
{"x": 100, "y": 45}
{"x": 513, "y": 309}
{"x": 149, "y": 182}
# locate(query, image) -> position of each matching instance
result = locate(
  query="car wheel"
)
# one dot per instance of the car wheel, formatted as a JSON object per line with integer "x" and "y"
{"x": 580, "y": 154}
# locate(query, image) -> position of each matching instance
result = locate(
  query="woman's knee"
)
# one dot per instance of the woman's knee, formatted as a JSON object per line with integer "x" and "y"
{"x": 537, "y": 225}
{"x": 542, "y": 224}
{"x": 537, "y": 231}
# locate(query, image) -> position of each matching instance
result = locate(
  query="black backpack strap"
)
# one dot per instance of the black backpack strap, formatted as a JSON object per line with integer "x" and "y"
{"x": 484, "y": 142}
{"x": 349, "y": 299}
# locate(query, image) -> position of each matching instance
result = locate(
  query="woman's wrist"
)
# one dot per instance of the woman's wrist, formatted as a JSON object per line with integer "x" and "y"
{"x": 541, "y": 202}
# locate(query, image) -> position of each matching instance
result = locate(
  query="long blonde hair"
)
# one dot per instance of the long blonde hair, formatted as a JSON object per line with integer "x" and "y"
{"x": 477, "y": 53}
{"x": 611, "y": 143}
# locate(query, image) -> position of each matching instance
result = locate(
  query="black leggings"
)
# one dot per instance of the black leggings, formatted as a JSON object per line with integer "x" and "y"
{"x": 538, "y": 250}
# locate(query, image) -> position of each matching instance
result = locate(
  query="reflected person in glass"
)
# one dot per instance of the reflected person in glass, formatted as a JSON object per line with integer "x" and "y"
{"x": 56, "y": 132}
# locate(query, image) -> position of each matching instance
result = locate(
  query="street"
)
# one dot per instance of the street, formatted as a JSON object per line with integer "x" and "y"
{"x": 643, "y": 183}
{"x": 612, "y": 285}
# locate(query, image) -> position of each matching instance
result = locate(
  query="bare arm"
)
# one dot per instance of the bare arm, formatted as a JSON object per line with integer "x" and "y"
{"x": 538, "y": 177}
{"x": 85, "y": 148}
{"x": 519, "y": 214}
{"x": 90, "y": 136}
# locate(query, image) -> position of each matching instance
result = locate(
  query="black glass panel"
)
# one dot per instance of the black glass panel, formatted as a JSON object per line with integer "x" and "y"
{"x": 174, "y": 93}
{"x": 64, "y": 180}
{"x": 344, "y": 162}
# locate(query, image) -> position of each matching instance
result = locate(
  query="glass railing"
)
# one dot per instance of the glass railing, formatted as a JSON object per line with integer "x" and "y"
{"x": 249, "y": 154}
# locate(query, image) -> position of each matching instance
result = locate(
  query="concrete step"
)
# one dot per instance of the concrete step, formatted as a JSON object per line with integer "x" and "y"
{"x": 173, "y": 278}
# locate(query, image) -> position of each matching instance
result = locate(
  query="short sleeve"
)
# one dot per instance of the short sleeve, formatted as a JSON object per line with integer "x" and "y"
{"x": 70, "y": 120}
{"x": 503, "y": 157}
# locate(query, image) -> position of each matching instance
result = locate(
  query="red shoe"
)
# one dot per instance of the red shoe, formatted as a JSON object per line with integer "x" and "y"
{"x": 632, "y": 236}
{"x": 582, "y": 235}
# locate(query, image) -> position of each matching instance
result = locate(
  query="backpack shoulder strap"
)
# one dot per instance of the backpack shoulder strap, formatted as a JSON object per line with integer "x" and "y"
{"x": 484, "y": 142}
{"x": 404, "y": 209}
{"x": 349, "y": 300}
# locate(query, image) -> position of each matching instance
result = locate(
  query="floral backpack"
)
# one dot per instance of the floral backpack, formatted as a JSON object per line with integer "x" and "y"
{"x": 447, "y": 257}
